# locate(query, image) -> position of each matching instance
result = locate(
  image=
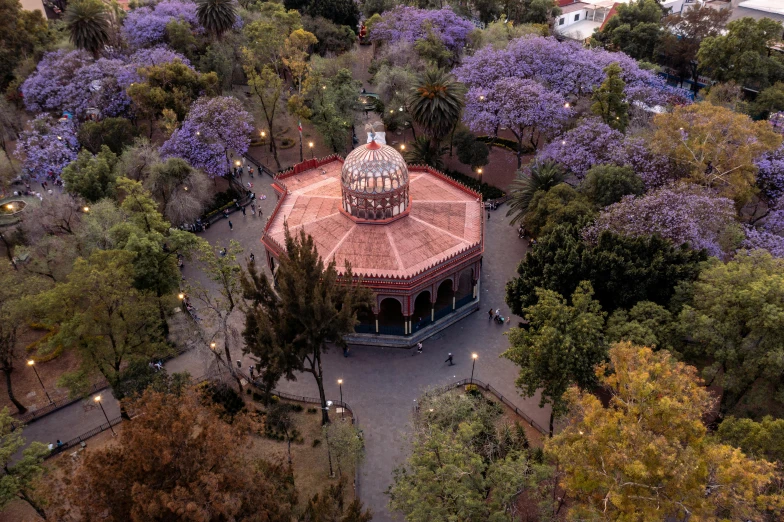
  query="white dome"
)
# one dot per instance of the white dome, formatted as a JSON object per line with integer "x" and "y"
{"x": 374, "y": 169}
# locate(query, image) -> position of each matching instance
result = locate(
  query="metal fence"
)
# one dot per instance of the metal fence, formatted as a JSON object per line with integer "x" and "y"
{"x": 499, "y": 396}
{"x": 56, "y": 405}
{"x": 77, "y": 441}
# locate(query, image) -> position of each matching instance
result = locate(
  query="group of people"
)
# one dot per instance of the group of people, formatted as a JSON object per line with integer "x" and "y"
{"x": 521, "y": 233}
{"x": 497, "y": 317}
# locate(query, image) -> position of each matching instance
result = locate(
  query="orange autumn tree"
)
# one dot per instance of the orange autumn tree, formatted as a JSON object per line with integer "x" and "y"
{"x": 177, "y": 460}
{"x": 647, "y": 456}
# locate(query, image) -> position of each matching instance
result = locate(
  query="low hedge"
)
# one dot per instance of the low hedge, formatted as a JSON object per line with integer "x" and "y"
{"x": 487, "y": 191}
{"x": 504, "y": 143}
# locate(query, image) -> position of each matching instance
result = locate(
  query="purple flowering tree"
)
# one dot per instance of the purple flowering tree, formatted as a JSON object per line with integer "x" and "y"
{"x": 524, "y": 106}
{"x": 685, "y": 214}
{"x": 146, "y": 58}
{"x": 213, "y": 128}
{"x": 564, "y": 67}
{"x": 591, "y": 143}
{"x": 47, "y": 147}
{"x": 73, "y": 81}
{"x": 411, "y": 24}
{"x": 46, "y": 89}
{"x": 770, "y": 175}
{"x": 146, "y": 26}
{"x": 655, "y": 170}
{"x": 762, "y": 239}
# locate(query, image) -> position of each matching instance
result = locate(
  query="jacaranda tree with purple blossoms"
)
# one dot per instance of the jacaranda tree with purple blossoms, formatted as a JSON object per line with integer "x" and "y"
{"x": 685, "y": 214}
{"x": 770, "y": 175}
{"x": 564, "y": 67}
{"x": 213, "y": 128}
{"x": 591, "y": 143}
{"x": 47, "y": 147}
{"x": 73, "y": 81}
{"x": 525, "y": 107}
{"x": 146, "y": 26}
{"x": 412, "y": 24}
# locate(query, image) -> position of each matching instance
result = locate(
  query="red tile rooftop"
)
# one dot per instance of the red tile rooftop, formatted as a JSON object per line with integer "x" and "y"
{"x": 445, "y": 219}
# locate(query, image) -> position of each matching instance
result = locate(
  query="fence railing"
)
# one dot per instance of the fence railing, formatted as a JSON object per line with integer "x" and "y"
{"x": 56, "y": 405}
{"x": 499, "y": 396}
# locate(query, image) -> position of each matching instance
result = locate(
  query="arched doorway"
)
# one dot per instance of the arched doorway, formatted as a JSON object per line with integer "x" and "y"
{"x": 390, "y": 317}
{"x": 465, "y": 284}
{"x": 367, "y": 321}
{"x": 422, "y": 310}
{"x": 444, "y": 298}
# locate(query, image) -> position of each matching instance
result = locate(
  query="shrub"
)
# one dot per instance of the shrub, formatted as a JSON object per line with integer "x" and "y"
{"x": 487, "y": 191}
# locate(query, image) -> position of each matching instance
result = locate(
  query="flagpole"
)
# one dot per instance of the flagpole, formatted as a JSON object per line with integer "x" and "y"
{"x": 299, "y": 126}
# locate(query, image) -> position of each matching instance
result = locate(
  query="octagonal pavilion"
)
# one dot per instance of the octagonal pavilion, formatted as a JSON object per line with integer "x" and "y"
{"x": 412, "y": 234}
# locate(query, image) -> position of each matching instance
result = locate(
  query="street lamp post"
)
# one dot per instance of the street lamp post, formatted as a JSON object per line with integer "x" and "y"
{"x": 98, "y": 400}
{"x": 310, "y": 144}
{"x": 214, "y": 348}
{"x": 31, "y": 363}
{"x": 473, "y": 364}
{"x": 342, "y": 404}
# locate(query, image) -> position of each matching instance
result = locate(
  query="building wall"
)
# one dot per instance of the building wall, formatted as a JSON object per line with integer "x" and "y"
{"x": 568, "y": 19}
{"x": 32, "y": 5}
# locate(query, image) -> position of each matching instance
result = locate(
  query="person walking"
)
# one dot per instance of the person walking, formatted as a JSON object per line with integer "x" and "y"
{"x": 231, "y": 225}
{"x": 243, "y": 210}
{"x": 252, "y": 257}
{"x": 419, "y": 347}
{"x": 449, "y": 360}
{"x": 253, "y": 209}
{"x": 490, "y": 313}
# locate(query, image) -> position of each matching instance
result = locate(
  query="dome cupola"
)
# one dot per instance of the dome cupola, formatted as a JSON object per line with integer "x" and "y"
{"x": 374, "y": 182}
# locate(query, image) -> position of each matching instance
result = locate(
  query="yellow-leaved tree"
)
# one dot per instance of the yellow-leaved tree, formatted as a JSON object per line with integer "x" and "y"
{"x": 648, "y": 456}
{"x": 715, "y": 145}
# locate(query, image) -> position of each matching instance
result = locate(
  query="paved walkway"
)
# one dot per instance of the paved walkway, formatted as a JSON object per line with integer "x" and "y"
{"x": 380, "y": 384}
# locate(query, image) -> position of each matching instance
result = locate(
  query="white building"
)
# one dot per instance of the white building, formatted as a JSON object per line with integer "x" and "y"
{"x": 580, "y": 19}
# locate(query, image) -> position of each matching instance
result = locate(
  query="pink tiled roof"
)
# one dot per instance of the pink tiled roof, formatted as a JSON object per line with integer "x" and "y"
{"x": 445, "y": 220}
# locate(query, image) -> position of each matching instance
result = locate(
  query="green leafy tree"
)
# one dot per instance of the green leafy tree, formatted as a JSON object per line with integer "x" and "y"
{"x": 541, "y": 176}
{"x": 470, "y": 151}
{"x": 88, "y": 24}
{"x": 769, "y": 101}
{"x": 685, "y": 31}
{"x": 92, "y": 176}
{"x": 20, "y": 474}
{"x": 22, "y": 33}
{"x": 217, "y": 16}
{"x": 530, "y": 11}
{"x": 742, "y": 53}
{"x": 635, "y": 29}
{"x": 181, "y": 190}
{"x": 267, "y": 89}
{"x": 14, "y": 286}
{"x": 734, "y": 321}
{"x": 332, "y": 38}
{"x": 173, "y": 86}
{"x": 561, "y": 204}
{"x": 647, "y": 456}
{"x": 333, "y": 102}
{"x": 465, "y": 464}
{"x": 646, "y": 324}
{"x": 102, "y": 315}
{"x": 423, "y": 152}
{"x": 622, "y": 270}
{"x": 115, "y": 133}
{"x": 763, "y": 439}
{"x": 607, "y": 184}
{"x": 288, "y": 330}
{"x": 609, "y": 100}
{"x": 225, "y": 274}
{"x": 436, "y": 102}
{"x": 345, "y": 444}
{"x": 342, "y": 12}
{"x": 560, "y": 347}
{"x": 180, "y": 37}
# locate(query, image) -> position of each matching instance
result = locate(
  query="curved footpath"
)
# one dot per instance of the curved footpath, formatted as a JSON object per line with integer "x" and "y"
{"x": 380, "y": 384}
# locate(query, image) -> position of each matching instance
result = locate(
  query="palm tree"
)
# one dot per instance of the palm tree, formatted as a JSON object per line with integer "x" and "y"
{"x": 422, "y": 152}
{"x": 436, "y": 102}
{"x": 88, "y": 23}
{"x": 543, "y": 176}
{"x": 217, "y": 16}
